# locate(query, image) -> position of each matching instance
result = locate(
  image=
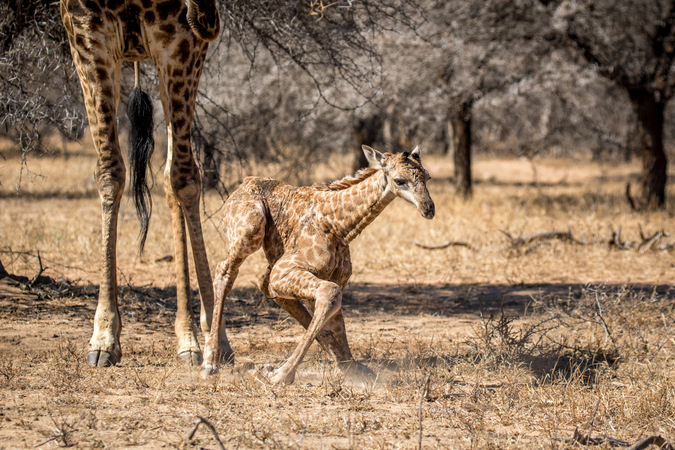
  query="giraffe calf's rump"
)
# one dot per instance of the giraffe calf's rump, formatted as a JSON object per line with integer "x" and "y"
{"x": 305, "y": 233}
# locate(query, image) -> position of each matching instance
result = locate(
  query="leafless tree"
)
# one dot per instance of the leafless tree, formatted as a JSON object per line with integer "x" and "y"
{"x": 38, "y": 86}
{"x": 631, "y": 43}
{"x": 329, "y": 44}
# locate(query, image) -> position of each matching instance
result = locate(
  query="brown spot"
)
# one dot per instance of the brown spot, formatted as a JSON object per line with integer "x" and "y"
{"x": 95, "y": 24}
{"x": 177, "y": 87}
{"x": 180, "y": 123}
{"x": 115, "y": 4}
{"x": 182, "y": 52}
{"x": 92, "y": 6}
{"x": 101, "y": 74}
{"x": 74, "y": 7}
{"x": 80, "y": 43}
{"x": 163, "y": 38}
{"x": 107, "y": 92}
{"x": 182, "y": 18}
{"x": 168, "y": 28}
{"x": 149, "y": 17}
{"x": 177, "y": 73}
{"x": 167, "y": 8}
{"x": 146, "y": 4}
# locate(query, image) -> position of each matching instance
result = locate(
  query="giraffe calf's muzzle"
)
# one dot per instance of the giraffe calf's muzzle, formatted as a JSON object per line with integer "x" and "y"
{"x": 428, "y": 209}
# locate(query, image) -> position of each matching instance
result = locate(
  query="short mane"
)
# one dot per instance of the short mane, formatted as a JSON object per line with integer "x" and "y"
{"x": 349, "y": 180}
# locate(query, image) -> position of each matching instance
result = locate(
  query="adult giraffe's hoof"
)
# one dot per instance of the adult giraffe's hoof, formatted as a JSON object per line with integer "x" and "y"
{"x": 191, "y": 358}
{"x": 101, "y": 358}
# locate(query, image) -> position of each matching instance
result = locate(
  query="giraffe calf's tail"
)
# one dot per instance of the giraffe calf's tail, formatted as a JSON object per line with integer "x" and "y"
{"x": 141, "y": 146}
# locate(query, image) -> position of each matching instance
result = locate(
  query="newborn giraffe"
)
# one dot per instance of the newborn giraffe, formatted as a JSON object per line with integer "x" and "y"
{"x": 305, "y": 233}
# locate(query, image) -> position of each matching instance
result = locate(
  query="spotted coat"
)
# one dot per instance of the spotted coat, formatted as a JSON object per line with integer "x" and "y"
{"x": 305, "y": 233}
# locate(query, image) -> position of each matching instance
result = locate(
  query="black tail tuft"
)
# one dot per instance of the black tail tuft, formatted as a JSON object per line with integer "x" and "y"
{"x": 141, "y": 146}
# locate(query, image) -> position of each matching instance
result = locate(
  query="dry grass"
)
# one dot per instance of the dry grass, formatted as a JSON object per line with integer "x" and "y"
{"x": 520, "y": 346}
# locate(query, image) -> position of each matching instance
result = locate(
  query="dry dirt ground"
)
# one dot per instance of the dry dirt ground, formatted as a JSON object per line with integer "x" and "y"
{"x": 494, "y": 345}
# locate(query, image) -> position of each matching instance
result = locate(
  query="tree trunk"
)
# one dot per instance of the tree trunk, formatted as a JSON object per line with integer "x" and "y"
{"x": 461, "y": 140}
{"x": 366, "y": 132}
{"x": 649, "y": 110}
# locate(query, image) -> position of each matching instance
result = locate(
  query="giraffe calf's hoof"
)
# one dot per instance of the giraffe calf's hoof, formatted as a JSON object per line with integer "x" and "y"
{"x": 356, "y": 372}
{"x": 101, "y": 358}
{"x": 191, "y": 358}
{"x": 279, "y": 377}
{"x": 209, "y": 370}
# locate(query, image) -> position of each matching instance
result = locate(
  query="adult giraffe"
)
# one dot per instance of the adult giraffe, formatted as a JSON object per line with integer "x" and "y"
{"x": 174, "y": 34}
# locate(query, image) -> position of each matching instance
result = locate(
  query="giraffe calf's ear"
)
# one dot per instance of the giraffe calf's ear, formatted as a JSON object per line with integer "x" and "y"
{"x": 375, "y": 158}
{"x": 416, "y": 153}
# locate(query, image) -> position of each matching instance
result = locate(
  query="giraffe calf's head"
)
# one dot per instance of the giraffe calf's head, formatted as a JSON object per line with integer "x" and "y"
{"x": 405, "y": 177}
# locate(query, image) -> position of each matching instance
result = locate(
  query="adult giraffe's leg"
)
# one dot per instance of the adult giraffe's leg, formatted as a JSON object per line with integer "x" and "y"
{"x": 179, "y": 75}
{"x": 99, "y": 78}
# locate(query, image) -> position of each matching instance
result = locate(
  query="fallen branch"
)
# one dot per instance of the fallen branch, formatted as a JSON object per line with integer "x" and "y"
{"x": 565, "y": 236}
{"x": 423, "y": 394}
{"x": 32, "y": 282}
{"x": 631, "y": 201}
{"x": 652, "y": 440}
{"x": 586, "y": 440}
{"x": 648, "y": 241}
{"x": 192, "y": 432}
{"x": 444, "y": 245}
{"x": 639, "y": 445}
{"x": 615, "y": 240}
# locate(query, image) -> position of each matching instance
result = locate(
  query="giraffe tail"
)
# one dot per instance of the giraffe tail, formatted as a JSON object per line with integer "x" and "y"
{"x": 141, "y": 146}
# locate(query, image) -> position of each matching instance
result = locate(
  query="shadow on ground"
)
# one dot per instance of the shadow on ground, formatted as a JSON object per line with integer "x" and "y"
{"x": 490, "y": 307}
{"x": 44, "y": 295}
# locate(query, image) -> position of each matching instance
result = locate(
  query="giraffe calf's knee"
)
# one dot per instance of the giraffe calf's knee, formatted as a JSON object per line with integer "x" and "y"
{"x": 331, "y": 295}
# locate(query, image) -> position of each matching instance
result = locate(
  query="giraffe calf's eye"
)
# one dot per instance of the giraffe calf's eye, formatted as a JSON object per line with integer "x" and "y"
{"x": 399, "y": 181}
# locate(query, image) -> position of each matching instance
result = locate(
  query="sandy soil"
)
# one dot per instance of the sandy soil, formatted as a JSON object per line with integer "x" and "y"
{"x": 409, "y": 312}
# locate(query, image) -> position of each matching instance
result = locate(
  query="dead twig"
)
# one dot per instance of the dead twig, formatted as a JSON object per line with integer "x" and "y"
{"x": 649, "y": 241}
{"x": 631, "y": 201}
{"x": 423, "y": 393}
{"x": 592, "y": 420}
{"x": 522, "y": 241}
{"x": 192, "y": 432}
{"x": 615, "y": 240}
{"x": 587, "y": 440}
{"x": 443, "y": 245}
{"x": 604, "y": 324}
{"x": 664, "y": 339}
{"x": 32, "y": 282}
{"x": 652, "y": 440}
